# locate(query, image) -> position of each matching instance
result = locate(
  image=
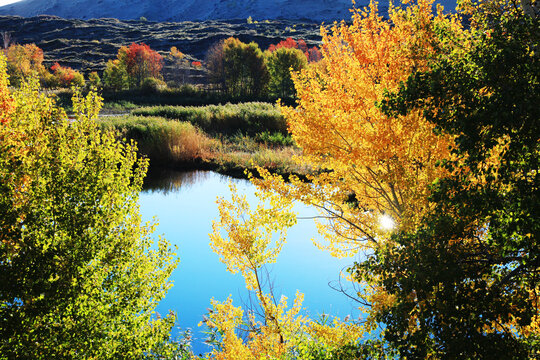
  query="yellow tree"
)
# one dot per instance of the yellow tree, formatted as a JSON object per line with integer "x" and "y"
{"x": 273, "y": 329}
{"x": 370, "y": 165}
{"x": 248, "y": 247}
{"x": 371, "y": 172}
{"x": 22, "y": 60}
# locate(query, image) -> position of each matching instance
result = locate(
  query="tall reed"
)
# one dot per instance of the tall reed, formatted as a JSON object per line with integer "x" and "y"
{"x": 163, "y": 141}
{"x": 247, "y": 118}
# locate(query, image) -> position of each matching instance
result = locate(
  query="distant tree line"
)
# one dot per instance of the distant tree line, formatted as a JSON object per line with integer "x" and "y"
{"x": 233, "y": 68}
{"x": 23, "y": 60}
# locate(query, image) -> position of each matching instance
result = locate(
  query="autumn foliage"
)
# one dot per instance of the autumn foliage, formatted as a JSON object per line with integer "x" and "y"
{"x": 386, "y": 163}
{"x": 7, "y": 105}
{"x": 22, "y": 60}
{"x": 312, "y": 54}
{"x": 141, "y": 62}
{"x": 66, "y": 77}
{"x": 421, "y": 130}
{"x": 374, "y": 173}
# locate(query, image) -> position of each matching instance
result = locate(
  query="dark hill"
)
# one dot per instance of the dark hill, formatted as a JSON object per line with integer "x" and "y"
{"x": 87, "y": 45}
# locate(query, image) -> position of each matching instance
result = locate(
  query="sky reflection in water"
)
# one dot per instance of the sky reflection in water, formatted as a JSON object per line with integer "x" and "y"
{"x": 184, "y": 205}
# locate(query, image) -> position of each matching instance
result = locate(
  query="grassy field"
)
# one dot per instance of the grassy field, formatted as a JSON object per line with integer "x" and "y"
{"x": 248, "y": 118}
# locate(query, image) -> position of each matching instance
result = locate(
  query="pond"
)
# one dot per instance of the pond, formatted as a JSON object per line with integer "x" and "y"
{"x": 184, "y": 204}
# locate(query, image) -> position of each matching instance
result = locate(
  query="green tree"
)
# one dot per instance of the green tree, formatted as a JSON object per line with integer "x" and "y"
{"x": 280, "y": 63}
{"x": 115, "y": 76}
{"x": 94, "y": 80}
{"x": 244, "y": 68}
{"x": 467, "y": 281}
{"x": 80, "y": 276}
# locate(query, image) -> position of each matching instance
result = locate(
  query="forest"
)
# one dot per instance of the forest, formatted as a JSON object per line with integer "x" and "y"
{"x": 415, "y": 136}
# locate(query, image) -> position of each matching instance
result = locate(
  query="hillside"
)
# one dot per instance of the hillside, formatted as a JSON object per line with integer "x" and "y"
{"x": 186, "y": 10}
{"x": 87, "y": 45}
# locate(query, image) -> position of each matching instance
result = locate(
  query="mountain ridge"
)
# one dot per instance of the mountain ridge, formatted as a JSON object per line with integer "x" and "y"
{"x": 193, "y": 10}
{"x": 187, "y": 10}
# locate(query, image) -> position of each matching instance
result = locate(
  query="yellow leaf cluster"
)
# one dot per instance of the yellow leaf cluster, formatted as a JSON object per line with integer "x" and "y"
{"x": 250, "y": 243}
{"x": 370, "y": 164}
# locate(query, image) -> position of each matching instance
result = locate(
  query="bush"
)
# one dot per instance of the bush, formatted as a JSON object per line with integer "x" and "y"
{"x": 153, "y": 85}
{"x": 80, "y": 276}
{"x": 66, "y": 77}
{"x": 94, "y": 80}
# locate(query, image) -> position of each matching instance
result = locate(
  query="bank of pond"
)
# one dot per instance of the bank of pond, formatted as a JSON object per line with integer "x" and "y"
{"x": 227, "y": 138}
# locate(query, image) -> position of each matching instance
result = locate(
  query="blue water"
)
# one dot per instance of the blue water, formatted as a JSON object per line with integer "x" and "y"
{"x": 184, "y": 205}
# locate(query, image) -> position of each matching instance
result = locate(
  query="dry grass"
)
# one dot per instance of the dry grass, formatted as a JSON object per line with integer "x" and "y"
{"x": 164, "y": 142}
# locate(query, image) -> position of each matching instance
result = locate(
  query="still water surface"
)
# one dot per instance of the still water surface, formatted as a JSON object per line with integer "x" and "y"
{"x": 184, "y": 204}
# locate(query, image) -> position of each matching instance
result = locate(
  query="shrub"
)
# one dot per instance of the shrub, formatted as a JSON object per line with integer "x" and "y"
{"x": 94, "y": 80}
{"x": 153, "y": 85}
{"x": 66, "y": 77}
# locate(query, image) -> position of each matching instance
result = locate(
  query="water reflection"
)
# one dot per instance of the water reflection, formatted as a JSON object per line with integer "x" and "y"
{"x": 184, "y": 205}
{"x": 164, "y": 180}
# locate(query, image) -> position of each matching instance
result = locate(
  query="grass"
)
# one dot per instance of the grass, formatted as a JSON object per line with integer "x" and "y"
{"x": 119, "y": 106}
{"x": 248, "y": 118}
{"x": 180, "y": 144}
{"x": 274, "y": 139}
{"x": 164, "y": 142}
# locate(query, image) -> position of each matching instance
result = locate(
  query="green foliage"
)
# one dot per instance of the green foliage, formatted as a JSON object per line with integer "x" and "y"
{"x": 249, "y": 118}
{"x": 152, "y": 85}
{"x": 280, "y": 63}
{"x": 275, "y": 138}
{"x": 115, "y": 76}
{"x": 186, "y": 95}
{"x": 368, "y": 350}
{"x": 80, "y": 276}
{"x": 237, "y": 68}
{"x": 473, "y": 266}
